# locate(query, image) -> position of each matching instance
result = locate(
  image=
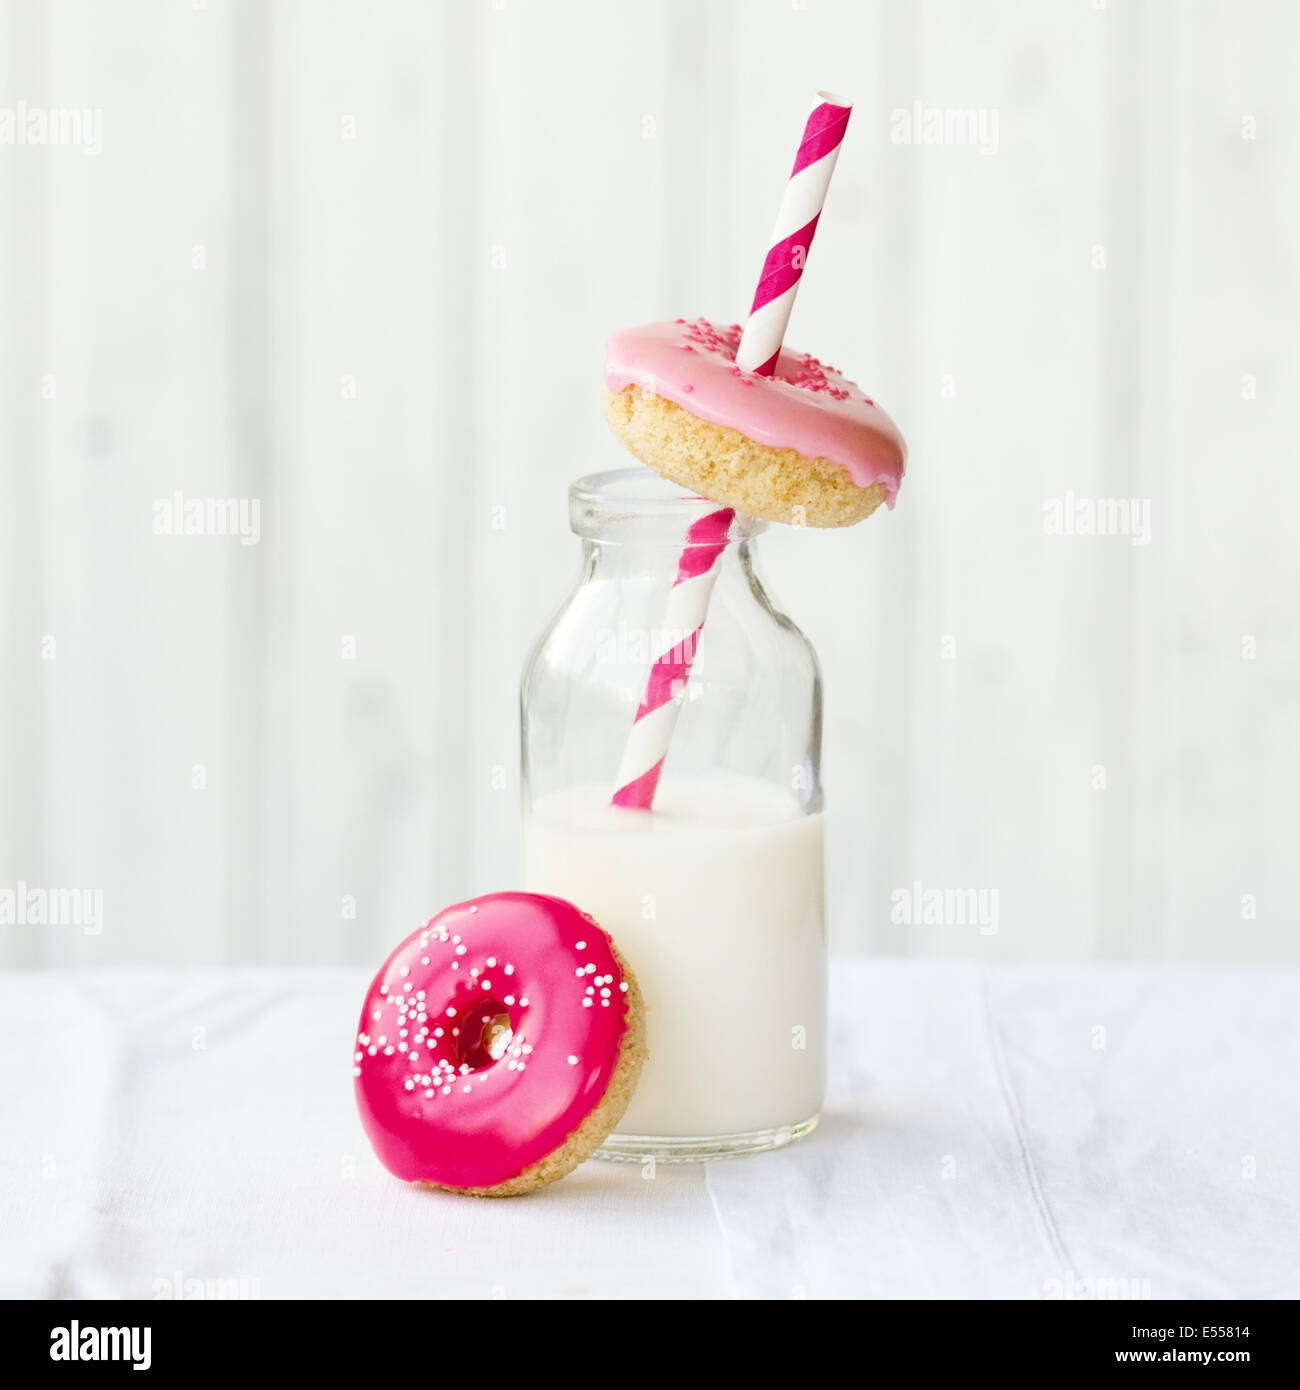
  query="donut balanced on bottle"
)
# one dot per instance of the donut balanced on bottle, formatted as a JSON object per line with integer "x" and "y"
{"x": 804, "y": 446}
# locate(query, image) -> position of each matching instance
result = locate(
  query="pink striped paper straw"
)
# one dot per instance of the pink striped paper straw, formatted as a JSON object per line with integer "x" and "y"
{"x": 796, "y": 225}
{"x": 759, "y": 348}
{"x": 656, "y": 716}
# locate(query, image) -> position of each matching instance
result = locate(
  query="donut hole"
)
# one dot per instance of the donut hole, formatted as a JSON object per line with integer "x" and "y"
{"x": 485, "y": 1033}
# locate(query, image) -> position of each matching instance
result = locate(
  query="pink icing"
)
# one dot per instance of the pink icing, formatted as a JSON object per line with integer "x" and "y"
{"x": 435, "y": 1105}
{"x": 804, "y": 406}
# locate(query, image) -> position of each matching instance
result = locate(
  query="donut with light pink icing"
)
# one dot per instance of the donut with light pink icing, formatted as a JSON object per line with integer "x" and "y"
{"x": 498, "y": 1046}
{"x": 805, "y": 445}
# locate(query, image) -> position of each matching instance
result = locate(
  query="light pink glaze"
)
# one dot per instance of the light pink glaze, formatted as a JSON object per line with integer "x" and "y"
{"x": 804, "y": 406}
{"x": 434, "y": 1104}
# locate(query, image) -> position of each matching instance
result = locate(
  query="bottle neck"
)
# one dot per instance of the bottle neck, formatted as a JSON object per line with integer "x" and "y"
{"x": 633, "y": 522}
{"x": 664, "y": 564}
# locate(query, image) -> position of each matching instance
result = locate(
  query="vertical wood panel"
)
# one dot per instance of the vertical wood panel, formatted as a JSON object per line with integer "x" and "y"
{"x": 140, "y": 280}
{"x": 1223, "y": 732}
{"x": 366, "y": 764}
{"x": 25, "y": 679}
{"x": 1004, "y": 730}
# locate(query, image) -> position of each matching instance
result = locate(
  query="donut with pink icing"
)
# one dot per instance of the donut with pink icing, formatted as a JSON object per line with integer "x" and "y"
{"x": 498, "y": 1046}
{"x": 804, "y": 446}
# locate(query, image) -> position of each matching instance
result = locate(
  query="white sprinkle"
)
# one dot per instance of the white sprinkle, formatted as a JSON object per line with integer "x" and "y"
{"x": 573, "y": 1061}
{"x": 487, "y": 984}
{"x": 578, "y": 971}
{"x": 589, "y": 968}
{"x": 455, "y": 965}
{"x": 467, "y": 1089}
{"x": 460, "y": 950}
{"x": 428, "y": 1093}
{"x": 528, "y": 1047}
{"x": 410, "y": 1085}
{"x": 446, "y": 1090}
{"x": 455, "y": 941}
{"x": 623, "y": 986}
{"x": 415, "y": 1056}
{"x": 356, "y": 1071}
{"x": 372, "y": 1049}
{"x": 437, "y": 1032}
{"x": 523, "y": 1003}
{"x": 424, "y": 960}
{"x": 591, "y": 989}
{"x": 451, "y": 1011}
{"x": 356, "y": 1056}
{"x": 586, "y": 1003}
{"x": 405, "y": 970}
{"x": 419, "y": 994}
{"x": 491, "y": 960}
{"x": 510, "y": 998}
{"x": 581, "y": 945}
{"x": 510, "y": 970}
{"x": 408, "y": 985}
{"x": 604, "y": 994}
{"x": 377, "y": 1015}
{"x": 473, "y": 909}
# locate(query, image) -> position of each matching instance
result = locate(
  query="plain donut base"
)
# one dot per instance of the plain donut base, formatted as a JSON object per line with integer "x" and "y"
{"x": 599, "y": 1124}
{"x": 733, "y": 470}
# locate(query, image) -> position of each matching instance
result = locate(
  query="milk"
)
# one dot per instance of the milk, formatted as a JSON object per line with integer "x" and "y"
{"x": 715, "y": 898}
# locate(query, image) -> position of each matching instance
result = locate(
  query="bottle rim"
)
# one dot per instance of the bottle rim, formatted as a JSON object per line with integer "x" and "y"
{"x": 623, "y": 506}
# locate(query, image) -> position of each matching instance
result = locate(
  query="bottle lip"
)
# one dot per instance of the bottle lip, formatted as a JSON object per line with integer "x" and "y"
{"x": 625, "y": 506}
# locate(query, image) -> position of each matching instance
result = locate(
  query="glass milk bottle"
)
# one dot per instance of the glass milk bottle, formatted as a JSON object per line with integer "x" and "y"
{"x": 715, "y": 896}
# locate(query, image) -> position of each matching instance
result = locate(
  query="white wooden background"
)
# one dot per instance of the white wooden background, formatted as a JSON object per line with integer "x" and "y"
{"x": 357, "y": 260}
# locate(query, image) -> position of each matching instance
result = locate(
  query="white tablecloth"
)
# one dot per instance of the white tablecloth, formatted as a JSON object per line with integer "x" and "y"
{"x": 1001, "y": 1132}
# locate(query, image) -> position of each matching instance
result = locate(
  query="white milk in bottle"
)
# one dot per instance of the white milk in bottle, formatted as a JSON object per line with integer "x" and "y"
{"x": 715, "y": 898}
